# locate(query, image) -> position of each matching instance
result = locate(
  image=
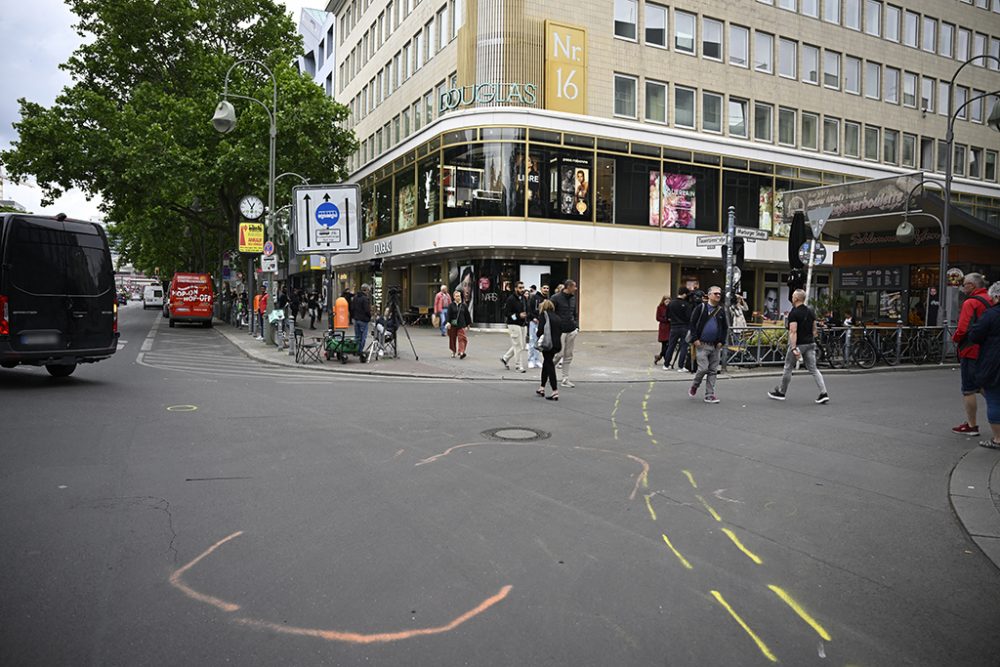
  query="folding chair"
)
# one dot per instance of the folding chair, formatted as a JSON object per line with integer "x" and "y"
{"x": 306, "y": 352}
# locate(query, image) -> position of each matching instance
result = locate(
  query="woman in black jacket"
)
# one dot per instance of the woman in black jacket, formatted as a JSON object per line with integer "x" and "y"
{"x": 551, "y": 327}
{"x": 458, "y": 320}
{"x": 986, "y": 332}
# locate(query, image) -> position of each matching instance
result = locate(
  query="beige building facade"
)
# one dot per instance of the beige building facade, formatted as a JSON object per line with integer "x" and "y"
{"x": 506, "y": 140}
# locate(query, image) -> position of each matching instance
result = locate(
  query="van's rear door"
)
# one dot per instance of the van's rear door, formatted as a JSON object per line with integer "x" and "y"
{"x": 61, "y": 285}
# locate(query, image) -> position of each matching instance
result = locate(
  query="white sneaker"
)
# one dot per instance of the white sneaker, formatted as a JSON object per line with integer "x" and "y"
{"x": 566, "y": 383}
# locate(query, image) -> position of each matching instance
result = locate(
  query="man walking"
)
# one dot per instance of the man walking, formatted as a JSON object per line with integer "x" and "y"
{"x": 801, "y": 345}
{"x": 534, "y": 302}
{"x": 361, "y": 313}
{"x": 441, "y": 302}
{"x": 515, "y": 314}
{"x": 708, "y": 334}
{"x": 565, "y": 303}
{"x": 974, "y": 287}
{"x": 679, "y": 312}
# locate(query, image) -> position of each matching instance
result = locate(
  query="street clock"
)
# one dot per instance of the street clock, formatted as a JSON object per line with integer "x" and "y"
{"x": 251, "y": 207}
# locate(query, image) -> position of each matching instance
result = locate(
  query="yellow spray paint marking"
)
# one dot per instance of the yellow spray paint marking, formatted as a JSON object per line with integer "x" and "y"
{"x": 739, "y": 545}
{"x": 690, "y": 477}
{"x": 645, "y": 479}
{"x": 649, "y": 506}
{"x": 645, "y": 415}
{"x": 677, "y": 553}
{"x": 616, "y": 434}
{"x": 645, "y": 402}
{"x": 649, "y": 431}
{"x": 652, "y": 383}
{"x": 654, "y": 442}
{"x": 618, "y": 400}
{"x": 715, "y": 515}
{"x": 803, "y": 614}
{"x": 182, "y": 408}
{"x": 746, "y": 628}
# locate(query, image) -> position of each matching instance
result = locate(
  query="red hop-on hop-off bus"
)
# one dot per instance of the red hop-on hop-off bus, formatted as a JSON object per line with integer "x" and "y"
{"x": 191, "y": 298}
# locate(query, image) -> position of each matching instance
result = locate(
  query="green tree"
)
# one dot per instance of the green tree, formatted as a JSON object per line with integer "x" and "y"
{"x": 134, "y": 127}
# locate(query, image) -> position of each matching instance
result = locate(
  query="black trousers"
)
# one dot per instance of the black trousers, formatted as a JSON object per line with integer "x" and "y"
{"x": 549, "y": 369}
{"x": 677, "y": 335}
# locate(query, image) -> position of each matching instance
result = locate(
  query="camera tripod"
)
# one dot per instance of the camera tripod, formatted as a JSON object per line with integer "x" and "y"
{"x": 380, "y": 341}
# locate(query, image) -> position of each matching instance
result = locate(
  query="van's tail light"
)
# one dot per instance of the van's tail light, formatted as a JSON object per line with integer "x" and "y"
{"x": 4, "y": 316}
{"x": 114, "y": 327}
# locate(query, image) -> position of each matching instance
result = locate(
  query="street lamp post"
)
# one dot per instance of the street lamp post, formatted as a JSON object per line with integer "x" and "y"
{"x": 905, "y": 230}
{"x": 225, "y": 120}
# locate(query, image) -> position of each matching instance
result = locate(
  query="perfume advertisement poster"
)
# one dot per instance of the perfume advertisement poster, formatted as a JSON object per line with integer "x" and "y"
{"x": 677, "y": 205}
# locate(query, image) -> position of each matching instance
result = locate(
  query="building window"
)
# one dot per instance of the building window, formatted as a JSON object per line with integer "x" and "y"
{"x": 909, "y": 89}
{"x": 442, "y": 28}
{"x": 927, "y": 94}
{"x": 990, "y": 172}
{"x": 786, "y": 126}
{"x": 831, "y": 135}
{"x": 959, "y": 160}
{"x": 890, "y": 146}
{"x": 942, "y": 156}
{"x": 787, "y": 58}
{"x": 711, "y": 112}
{"x": 979, "y": 48}
{"x": 810, "y": 64}
{"x": 852, "y": 75}
{"x": 929, "y": 35}
{"x": 962, "y": 47}
{"x": 961, "y": 96}
{"x": 763, "y": 122}
{"x": 994, "y": 63}
{"x": 892, "y": 15}
{"x": 831, "y": 69}
{"x": 625, "y": 11}
{"x": 711, "y": 39}
{"x": 852, "y": 14}
{"x": 625, "y": 95}
{"x": 910, "y": 26}
{"x": 852, "y": 139}
{"x": 683, "y": 107}
{"x": 739, "y": 45}
{"x": 873, "y": 80}
{"x": 946, "y": 39}
{"x": 737, "y": 117}
{"x": 871, "y": 142}
{"x": 763, "y": 52}
{"x": 656, "y": 102}
{"x": 656, "y": 25}
{"x": 684, "y": 29}
{"x": 976, "y": 106}
{"x": 810, "y": 131}
{"x": 873, "y": 17}
{"x": 831, "y": 11}
{"x": 790, "y": 5}
{"x": 975, "y": 162}
{"x": 909, "y": 150}
{"x": 892, "y": 85}
{"x": 943, "y": 98}
{"x": 810, "y": 8}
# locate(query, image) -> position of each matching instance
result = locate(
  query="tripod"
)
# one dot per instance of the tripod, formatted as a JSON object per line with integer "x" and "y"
{"x": 396, "y": 316}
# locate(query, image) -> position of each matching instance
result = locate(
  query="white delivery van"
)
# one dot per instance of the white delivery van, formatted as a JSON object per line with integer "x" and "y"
{"x": 152, "y": 297}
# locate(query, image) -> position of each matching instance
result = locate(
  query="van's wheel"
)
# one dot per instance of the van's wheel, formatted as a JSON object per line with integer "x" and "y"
{"x": 60, "y": 370}
{"x": 171, "y": 323}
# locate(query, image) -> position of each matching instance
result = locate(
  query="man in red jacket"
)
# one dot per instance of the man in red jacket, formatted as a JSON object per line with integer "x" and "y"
{"x": 976, "y": 303}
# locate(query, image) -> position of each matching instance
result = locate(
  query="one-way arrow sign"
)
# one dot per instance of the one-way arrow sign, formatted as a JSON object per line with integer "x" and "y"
{"x": 332, "y": 226}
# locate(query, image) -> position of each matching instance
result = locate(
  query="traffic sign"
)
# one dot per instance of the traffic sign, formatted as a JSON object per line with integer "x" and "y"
{"x": 251, "y": 237}
{"x": 711, "y": 241}
{"x": 752, "y": 234}
{"x": 268, "y": 248}
{"x": 327, "y": 219}
{"x": 819, "y": 253}
{"x": 268, "y": 263}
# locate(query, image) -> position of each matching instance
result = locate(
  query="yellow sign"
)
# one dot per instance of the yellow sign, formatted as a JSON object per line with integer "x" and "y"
{"x": 251, "y": 237}
{"x": 565, "y": 68}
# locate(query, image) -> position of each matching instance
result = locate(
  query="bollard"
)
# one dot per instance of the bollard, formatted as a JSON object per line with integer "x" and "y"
{"x": 899, "y": 341}
{"x": 847, "y": 346}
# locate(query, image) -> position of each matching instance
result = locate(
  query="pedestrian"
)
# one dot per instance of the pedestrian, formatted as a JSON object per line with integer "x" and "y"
{"x": 261, "y": 310}
{"x": 976, "y": 303}
{"x": 313, "y": 309}
{"x": 679, "y": 314}
{"x": 534, "y": 303}
{"x": 708, "y": 334}
{"x": 441, "y": 303}
{"x": 550, "y": 342}
{"x": 361, "y": 312}
{"x": 515, "y": 314}
{"x": 801, "y": 345}
{"x": 459, "y": 319}
{"x": 663, "y": 329}
{"x": 738, "y": 312}
{"x": 986, "y": 333}
{"x": 565, "y": 305}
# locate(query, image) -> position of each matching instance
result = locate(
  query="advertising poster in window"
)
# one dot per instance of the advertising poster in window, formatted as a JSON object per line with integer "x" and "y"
{"x": 575, "y": 187}
{"x": 535, "y": 204}
{"x": 677, "y": 200}
{"x": 781, "y": 226}
{"x": 371, "y": 219}
{"x": 765, "y": 217}
{"x": 463, "y": 279}
{"x": 654, "y": 199}
{"x": 407, "y": 207}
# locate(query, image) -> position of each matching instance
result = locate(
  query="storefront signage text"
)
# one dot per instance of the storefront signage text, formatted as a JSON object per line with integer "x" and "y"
{"x": 382, "y": 247}
{"x": 565, "y": 68}
{"x": 873, "y": 239}
{"x": 854, "y": 200}
{"x": 485, "y": 93}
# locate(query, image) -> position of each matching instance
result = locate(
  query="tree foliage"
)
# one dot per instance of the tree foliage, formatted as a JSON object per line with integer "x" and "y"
{"x": 134, "y": 127}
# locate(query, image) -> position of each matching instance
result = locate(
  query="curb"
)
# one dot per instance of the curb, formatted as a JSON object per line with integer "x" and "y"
{"x": 974, "y": 501}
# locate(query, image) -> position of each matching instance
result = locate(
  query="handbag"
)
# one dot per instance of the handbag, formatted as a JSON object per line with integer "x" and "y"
{"x": 436, "y": 320}
{"x": 544, "y": 342}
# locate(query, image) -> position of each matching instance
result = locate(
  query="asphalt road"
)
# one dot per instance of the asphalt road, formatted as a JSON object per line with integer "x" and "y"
{"x": 182, "y": 504}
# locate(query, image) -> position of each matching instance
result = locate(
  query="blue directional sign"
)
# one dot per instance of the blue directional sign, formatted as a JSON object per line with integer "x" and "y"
{"x": 327, "y": 214}
{"x": 327, "y": 219}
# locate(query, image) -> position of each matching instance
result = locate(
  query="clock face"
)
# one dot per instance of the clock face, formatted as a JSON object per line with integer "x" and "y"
{"x": 251, "y": 207}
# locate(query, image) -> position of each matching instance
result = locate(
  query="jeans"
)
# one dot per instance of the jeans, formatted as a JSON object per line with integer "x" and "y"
{"x": 677, "y": 335}
{"x": 443, "y": 321}
{"x": 992, "y": 396}
{"x": 708, "y": 356}
{"x": 533, "y": 353}
{"x": 516, "y": 350}
{"x": 566, "y": 355}
{"x": 808, "y": 352}
{"x": 361, "y": 335}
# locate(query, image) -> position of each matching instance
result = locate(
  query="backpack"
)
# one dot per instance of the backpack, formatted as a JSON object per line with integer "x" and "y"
{"x": 965, "y": 343}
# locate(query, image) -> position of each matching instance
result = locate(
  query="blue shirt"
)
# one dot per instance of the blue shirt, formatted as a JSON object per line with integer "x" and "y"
{"x": 710, "y": 334}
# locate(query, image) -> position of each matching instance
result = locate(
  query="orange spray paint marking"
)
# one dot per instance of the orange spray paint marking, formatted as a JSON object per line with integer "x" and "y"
{"x": 378, "y": 637}
{"x": 175, "y": 579}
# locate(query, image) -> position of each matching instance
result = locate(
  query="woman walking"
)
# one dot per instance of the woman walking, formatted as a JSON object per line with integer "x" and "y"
{"x": 663, "y": 335}
{"x": 550, "y": 331}
{"x": 459, "y": 319}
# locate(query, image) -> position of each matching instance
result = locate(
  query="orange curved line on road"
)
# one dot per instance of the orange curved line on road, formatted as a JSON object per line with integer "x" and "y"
{"x": 176, "y": 582}
{"x": 378, "y": 637}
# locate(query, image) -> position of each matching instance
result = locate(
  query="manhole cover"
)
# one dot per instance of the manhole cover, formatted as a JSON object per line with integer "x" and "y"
{"x": 516, "y": 433}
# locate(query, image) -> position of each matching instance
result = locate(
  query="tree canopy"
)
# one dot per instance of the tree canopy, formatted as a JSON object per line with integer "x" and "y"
{"x": 134, "y": 126}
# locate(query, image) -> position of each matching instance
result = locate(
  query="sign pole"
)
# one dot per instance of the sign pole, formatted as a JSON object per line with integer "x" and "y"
{"x": 809, "y": 270}
{"x": 730, "y": 240}
{"x": 329, "y": 289}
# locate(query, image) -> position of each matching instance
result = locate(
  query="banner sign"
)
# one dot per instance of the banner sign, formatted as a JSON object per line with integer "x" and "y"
{"x": 565, "y": 68}
{"x": 854, "y": 200}
{"x": 251, "y": 237}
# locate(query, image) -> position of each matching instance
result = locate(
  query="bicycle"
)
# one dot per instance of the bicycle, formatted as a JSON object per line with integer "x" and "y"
{"x": 830, "y": 348}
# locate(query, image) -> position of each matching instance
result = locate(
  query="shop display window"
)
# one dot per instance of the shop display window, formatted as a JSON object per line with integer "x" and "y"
{"x": 428, "y": 188}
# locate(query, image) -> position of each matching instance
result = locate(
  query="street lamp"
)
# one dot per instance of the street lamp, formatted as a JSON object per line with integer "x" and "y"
{"x": 224, "y": 121}
{"x": 993, "y": 121}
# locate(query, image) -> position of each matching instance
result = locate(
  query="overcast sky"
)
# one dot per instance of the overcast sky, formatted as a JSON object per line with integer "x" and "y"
{"x": 37, "y": 36}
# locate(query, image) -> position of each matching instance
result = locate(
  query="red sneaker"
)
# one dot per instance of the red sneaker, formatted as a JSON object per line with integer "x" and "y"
{"x": 965, "y": 429}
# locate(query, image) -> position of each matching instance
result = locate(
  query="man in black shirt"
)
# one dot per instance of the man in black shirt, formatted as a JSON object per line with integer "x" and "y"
{"x": 515, "y": 315}
{"x": 361, "y": 313}
{"x": 801, "y": 345}
{"x": 679, "y": 312}
{"x": 565, "y": 303}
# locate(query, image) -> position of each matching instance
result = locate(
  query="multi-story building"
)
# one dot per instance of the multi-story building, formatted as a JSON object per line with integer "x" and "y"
{"x": 535, "y": 140}
{"x": 317, "y": 60}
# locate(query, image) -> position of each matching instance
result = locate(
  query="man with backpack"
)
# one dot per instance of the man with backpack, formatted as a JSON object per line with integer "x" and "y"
{"x": 708, "y": 333}
{"x": 976, "y": 303}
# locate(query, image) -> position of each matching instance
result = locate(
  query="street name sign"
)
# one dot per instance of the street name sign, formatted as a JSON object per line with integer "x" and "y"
{"x": 251, "y": 237}
{"x": 751, "y": 234}
{"x": 711, "y": 241}
{"x": 327, "y": 219}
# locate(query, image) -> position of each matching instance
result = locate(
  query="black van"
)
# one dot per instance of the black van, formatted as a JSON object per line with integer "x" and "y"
{"x": 58, "y": 306}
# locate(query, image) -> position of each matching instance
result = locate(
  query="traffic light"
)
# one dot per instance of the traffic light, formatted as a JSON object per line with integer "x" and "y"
{"x": 797, "y": 235}
{"x": 375, "y": 265}
{"x": 738, "y": 252}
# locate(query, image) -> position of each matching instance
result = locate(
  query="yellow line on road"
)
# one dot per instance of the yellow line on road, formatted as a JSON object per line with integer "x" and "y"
{"x": 803, "y": 614}
{"x": 690, "y": 478}
{"x": 746, "y": 628}
{"x": 618, "y": 400}
{"x": 645, "y": 402}
{"x": 649, "y": 431}
{"x": 715, "y": 515}
{"x": 677, "y": 553}
{"x": 649, "y": 506}
{"x": 645, "y": 416}
{"x": 654, "y": 442}
{"x": 739, "y": 545}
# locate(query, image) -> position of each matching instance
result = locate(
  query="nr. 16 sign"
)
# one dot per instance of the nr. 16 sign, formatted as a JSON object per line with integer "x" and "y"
{"x": 565, "y": 68}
